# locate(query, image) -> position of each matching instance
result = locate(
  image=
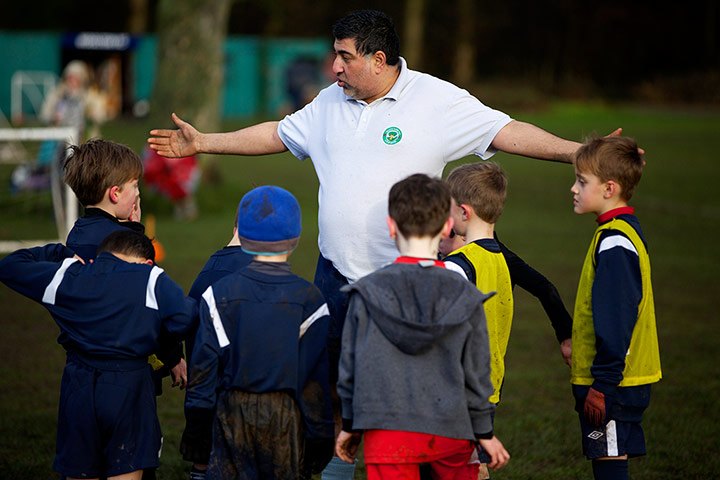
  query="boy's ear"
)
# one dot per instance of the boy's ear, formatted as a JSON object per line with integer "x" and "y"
{"x": 466, "y": 209}
{"x": 148, "y": 262}
{"x": 113, "y": 193}
{"x": 392, "y": 226}
{"x": 611, "y": 188}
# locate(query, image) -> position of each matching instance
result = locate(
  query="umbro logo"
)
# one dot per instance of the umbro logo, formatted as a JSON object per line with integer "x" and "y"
{"x": 594, "y": 435}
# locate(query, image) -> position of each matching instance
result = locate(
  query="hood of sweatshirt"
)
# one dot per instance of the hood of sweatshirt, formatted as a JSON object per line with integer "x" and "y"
{"x": 414, "y": 305}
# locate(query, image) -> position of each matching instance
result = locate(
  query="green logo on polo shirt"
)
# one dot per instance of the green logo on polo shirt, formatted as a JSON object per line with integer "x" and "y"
{"x": 392, "y": 135}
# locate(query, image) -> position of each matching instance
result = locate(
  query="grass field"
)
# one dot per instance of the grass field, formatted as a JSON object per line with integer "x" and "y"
{"x": 677, "y": 203}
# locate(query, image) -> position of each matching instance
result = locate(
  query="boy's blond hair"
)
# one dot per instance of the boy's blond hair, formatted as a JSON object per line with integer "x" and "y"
{"x": 611, "y": 158}
{"x": 483, "y": 186}
{"x": 96, "y": 165}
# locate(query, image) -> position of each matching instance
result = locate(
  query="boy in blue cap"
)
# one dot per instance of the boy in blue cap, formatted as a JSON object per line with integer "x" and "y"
{"x": 259, "y": 369}
{"x": 110, "y": 313}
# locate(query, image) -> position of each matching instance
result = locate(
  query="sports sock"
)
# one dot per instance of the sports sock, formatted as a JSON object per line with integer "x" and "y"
{"x": 196, "y": 474}
{"x": 610, "y": 469}
{"x": 338, "y": 470}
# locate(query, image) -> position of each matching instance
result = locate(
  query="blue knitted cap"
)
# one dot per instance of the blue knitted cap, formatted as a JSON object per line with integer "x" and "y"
{"x": 268, "y": 221}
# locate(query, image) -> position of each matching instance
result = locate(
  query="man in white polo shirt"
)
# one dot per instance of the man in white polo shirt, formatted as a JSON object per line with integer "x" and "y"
{"x": 380, "y": 123}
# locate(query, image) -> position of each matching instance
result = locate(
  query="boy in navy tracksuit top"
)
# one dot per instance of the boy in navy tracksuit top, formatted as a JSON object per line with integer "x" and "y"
{"x": 110, "y": 315}
{"x": 230, "y": 259}
{"x": 104, "y": 176}
{"x": 615, "y": 355}
{"x": 414, "y": 371}
{"x": 259, "y": 365}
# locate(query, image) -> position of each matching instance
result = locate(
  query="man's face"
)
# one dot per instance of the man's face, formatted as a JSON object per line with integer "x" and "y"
{"x": 354, "y": 72}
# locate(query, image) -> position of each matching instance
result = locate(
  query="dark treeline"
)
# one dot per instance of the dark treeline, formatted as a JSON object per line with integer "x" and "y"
{"x": 613, "y": 48}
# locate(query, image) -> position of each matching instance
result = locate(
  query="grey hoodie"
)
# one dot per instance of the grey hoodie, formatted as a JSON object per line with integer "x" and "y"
{"x": 415, "y": 354}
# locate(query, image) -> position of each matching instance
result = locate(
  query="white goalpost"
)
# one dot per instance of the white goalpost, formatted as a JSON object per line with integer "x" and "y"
{"x": 21, "y": 147}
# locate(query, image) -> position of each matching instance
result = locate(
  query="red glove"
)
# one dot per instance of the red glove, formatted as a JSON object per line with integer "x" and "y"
{"x": 595, "y": 407}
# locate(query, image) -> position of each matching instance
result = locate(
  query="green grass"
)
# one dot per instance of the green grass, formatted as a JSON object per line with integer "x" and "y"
{"x": 678, "y": 206}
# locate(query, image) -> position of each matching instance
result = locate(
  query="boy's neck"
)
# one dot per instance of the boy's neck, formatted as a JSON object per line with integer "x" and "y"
{"x": 610, "y": 206}
{"x": 478, "y": 229}
{"x": 105, "y": 208}
{"x": 283, "y": 257}
{"x": 418, "y": 247}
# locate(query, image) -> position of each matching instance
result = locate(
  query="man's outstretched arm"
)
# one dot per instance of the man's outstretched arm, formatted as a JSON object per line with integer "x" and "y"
{"x": 260, "y": 139}
{"x": 522, "y": 138}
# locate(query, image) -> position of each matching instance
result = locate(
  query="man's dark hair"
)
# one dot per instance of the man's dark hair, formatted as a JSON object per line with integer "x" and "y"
{"x": 372, "y": 31}
{"x": 128, "y": 242}
{"x": 420, "y": 205}
{"x": 96, "y": 165}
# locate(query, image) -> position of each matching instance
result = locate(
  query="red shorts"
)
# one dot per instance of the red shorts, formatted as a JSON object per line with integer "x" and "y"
{"x": 392, "y": 454}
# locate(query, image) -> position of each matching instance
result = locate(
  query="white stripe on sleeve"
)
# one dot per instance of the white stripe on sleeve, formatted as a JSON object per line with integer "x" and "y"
{"x": 150, "y": 299}
{"x": 320, "y": 312}
{"x": 209, "y": 298}
{"x": 616, "y": 241}
{"x": 611, "y": 437}
{"x": 455, "y": 268}
{"x": 51, "y": 289}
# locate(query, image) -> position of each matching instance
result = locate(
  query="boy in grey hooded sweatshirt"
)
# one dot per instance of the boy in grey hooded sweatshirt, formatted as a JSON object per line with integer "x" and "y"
{"x": 414, "y": 371}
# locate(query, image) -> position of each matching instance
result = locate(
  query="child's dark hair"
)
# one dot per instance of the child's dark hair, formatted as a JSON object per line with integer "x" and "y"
{"x": 483, "y": 186}
{"x": 128, "y": 242}
{"x": 420, "y": 205}
{"x": 96, "y": 165}
{"x": 611, "y": 158}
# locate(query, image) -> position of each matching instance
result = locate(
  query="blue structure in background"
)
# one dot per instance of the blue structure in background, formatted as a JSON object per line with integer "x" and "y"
{"x": 258, "y": 72}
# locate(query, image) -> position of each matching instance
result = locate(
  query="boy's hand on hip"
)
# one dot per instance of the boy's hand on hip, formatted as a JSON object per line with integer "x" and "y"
{"x": 594, "y": 409}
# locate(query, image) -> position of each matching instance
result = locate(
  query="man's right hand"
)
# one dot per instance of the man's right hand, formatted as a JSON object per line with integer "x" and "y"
{"x": 175, "y": 143}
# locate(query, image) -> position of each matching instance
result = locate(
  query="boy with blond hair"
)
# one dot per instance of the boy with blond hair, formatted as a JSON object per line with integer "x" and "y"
{"x": 104, "y": 176}
{"x": 615, "y": 355}
{"x": 414, "y": 371}
{"x": 479, "y": 191}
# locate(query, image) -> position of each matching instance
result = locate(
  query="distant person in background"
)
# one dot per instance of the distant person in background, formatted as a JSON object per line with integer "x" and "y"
{"x": 175, "y": 179}
{"x": 66, "y": 105}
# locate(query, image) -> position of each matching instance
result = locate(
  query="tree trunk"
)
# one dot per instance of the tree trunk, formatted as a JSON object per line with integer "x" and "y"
{"x": 464, "y": 61}
{"x": 412, "y": 46}
{"x": 190, "y": 61}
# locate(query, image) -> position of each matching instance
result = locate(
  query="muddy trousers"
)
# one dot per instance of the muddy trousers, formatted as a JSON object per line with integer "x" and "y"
{"x": 256, "y": 435}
